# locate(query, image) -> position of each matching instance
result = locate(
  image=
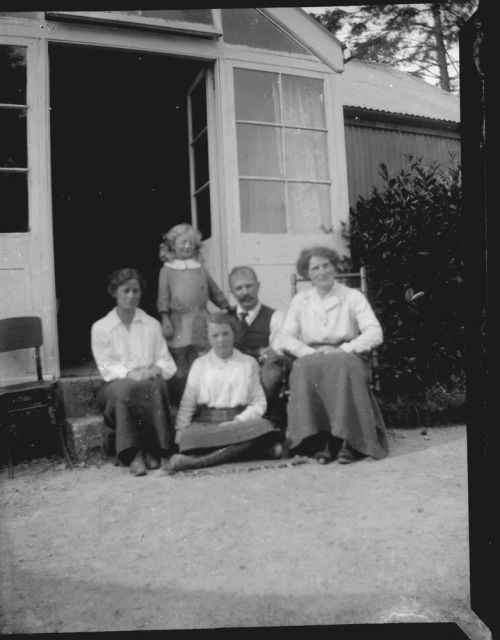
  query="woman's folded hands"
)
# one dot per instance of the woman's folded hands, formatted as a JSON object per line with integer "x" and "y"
{"x": 144, "y": 373}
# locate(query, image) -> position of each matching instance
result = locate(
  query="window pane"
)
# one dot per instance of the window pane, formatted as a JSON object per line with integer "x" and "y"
{"x": 262, "y": 207}
{"x": 306, "y": 155}
{"x": 308, "y": 207}
{"x": 259, "y": 151}
{"x": 303, "y": 102}
{"x": 200, "y": 161}
{"x": 203, "y": 16}
{"x": 13, "y": 151}
{"x": 199, "y": 108}
{"x": 256, "y": 95}
{"x": 12, "y": 74}
{"x": 14, "y": 202}
{"x": 247, "y": 27}
{"x": 203, "y": 213}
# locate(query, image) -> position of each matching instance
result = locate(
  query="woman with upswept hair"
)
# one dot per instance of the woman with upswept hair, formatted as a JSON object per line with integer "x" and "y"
{"x": 330, "y": 328}
{"x": 133, "y": 359}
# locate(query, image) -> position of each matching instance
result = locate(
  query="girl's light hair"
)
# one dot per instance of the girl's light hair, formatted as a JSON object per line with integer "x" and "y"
{"x": 167, "y": 247}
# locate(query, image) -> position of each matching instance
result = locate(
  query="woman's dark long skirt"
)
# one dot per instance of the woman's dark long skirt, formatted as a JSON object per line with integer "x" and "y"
{"x": 331, "y": 393}
{"x": 139, "y": 413}
{"x": 205, "y": 431}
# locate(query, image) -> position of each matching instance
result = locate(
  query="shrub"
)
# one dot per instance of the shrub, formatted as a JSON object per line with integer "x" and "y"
{"x": 408, "y": 235}
{"x": 438, "y": 405}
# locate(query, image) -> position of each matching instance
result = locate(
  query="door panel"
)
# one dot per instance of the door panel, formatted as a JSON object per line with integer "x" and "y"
{"x": 200, "y": 102}
{"x": 26, "y": 259}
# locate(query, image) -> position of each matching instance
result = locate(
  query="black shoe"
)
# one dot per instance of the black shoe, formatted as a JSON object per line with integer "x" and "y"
{"x": 138, "y": 466}
{"x": 346, "y": 454}
{"x": 323, "y": 457}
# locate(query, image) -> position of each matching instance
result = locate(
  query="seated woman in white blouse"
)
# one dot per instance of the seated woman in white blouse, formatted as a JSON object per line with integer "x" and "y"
{"x": 328, "y": 328}
{"x": 220, "y": 414}
{"x": 133, "y": 359}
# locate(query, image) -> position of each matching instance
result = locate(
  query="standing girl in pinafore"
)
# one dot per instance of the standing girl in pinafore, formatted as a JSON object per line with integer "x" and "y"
{"x": 184, "y": 289}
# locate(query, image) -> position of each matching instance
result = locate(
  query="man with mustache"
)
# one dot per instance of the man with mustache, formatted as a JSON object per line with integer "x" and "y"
{"x": 259, "y": 326}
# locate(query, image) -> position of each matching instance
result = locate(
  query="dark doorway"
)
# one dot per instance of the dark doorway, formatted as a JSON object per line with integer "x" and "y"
{"x": 120, "y": 177}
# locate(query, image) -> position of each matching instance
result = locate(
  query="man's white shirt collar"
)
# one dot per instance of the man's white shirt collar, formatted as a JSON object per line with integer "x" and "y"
{"x": 252, "y": 314}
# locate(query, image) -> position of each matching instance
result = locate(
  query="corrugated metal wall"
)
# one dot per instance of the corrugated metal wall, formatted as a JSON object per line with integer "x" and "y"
{"x": 368, "y": 146}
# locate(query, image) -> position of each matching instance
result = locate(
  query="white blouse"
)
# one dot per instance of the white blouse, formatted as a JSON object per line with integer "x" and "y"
{"x": 344, "y": 318}
{"x": 220, "y": 383}
{"x": 117, "y": 350}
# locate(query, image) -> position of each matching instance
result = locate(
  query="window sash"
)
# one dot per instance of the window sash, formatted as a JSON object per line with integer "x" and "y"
{"x": 14, "y": 194}
{"x": 293, "y": 185}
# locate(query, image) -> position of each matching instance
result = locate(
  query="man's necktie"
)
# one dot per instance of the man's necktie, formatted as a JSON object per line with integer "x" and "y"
{"x": 243, "y": 315}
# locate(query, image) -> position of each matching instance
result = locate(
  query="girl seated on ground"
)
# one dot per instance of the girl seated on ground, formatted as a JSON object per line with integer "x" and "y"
{"x": 220, "y": 414}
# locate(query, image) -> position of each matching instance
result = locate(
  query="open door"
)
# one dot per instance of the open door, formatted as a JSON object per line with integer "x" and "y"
{"x": 200, "y": 105}
{"x": 120, "y": 177}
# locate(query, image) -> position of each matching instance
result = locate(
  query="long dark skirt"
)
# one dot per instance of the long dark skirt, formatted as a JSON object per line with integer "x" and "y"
{"x": 274, "y": 374}
{"x": 139, "y": 414}
{"x": 206, "y": 433}
{"x": 331, "y": 393}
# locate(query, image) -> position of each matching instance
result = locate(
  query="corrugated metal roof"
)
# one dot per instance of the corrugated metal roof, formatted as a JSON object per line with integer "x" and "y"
{"x": 379, "y": 87}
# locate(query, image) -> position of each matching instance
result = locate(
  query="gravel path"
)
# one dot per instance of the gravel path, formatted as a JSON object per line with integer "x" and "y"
{"x": 95, "y": 549}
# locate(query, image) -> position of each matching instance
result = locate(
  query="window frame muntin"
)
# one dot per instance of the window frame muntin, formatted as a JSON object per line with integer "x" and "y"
{"x": 280, "y": 71}
{"x": 30, "y": 45}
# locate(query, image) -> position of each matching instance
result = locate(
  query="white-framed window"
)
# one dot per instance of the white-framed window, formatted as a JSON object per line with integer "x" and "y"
{"x": 282, "y": 142}
{"x": 251, "y": 28}
{"x": 200, "y": 22}
{"x": 14, "y": 214}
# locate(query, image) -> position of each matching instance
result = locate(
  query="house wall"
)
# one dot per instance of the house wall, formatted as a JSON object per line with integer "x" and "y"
{"x": 368, "y": 144}
{"x": 27, "y": 270}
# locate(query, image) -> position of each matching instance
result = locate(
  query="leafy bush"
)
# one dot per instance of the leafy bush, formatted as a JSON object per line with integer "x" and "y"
{"x": 408, "y": 234}
{"x": 438, "y": 405}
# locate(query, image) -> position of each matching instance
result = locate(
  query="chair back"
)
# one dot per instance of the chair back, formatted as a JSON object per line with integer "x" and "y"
{"x": 24, "y": 332}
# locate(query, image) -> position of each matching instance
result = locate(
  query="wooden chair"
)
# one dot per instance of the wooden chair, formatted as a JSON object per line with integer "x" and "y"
{"x": 357, "y": 280}
{"x": 26, "y": 397}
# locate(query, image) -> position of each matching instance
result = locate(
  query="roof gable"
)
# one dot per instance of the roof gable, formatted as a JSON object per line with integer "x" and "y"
{"x": 253, "y": 28}
{"x": 309, "y": 33}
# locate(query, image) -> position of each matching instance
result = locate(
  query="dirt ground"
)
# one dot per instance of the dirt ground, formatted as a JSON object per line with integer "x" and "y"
{"x": 245, "y": 545}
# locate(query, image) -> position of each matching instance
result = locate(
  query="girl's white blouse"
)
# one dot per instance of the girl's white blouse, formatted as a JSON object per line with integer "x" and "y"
{"x": 222, "y": 384}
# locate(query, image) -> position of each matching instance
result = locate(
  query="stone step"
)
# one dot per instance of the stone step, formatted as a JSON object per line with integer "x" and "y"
{"x": 86, "y": 432}
{"x": 86, "y": 435}
{"x": 78, "y": 395}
